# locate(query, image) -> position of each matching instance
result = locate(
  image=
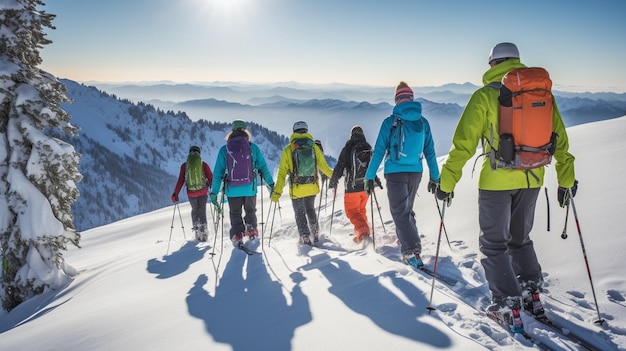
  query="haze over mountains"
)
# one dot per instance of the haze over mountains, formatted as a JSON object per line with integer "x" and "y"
{"x": 134, "y": 137}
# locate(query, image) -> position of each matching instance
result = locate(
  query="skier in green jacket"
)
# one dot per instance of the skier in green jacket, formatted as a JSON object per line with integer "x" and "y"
{"x": 507, "y": 197}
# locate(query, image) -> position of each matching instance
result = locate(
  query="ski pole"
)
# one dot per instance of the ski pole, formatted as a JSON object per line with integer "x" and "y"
{"x": 181, "y": 221}
{"x": 382, "y": 223}
{"x": 269, "y": 242}
{"x": 319, "y": 208}
{"x": 262, "y": 223}
{"x": 582, "y": 245}
{"x": 372, "y": 212}
{"x": 441, "y": 217}
{"x": 332, "y": 213}
{"x": 432, "y": 287}
{"x": 171, "y": 229}
{"x": 548, "y": 207}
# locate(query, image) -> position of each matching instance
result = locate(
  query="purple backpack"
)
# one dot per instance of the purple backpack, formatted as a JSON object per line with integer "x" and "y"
{"x": 239, "y": 161}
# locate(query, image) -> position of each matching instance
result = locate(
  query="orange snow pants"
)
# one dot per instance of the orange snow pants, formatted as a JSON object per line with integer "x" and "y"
{"x": 355, "y": 205}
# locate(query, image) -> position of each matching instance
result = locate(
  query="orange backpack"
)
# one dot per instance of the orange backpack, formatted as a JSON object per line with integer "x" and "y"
{"x": 525, "y": 120}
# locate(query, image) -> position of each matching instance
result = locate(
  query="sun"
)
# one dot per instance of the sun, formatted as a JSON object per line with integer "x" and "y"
{"x": 224, "y": 11}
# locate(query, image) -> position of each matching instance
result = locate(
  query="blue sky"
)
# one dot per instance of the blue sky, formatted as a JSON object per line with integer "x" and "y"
{"x": 370, "y": 42}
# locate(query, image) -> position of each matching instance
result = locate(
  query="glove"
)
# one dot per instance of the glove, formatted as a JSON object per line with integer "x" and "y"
{"x": 369, "y": 186}
{"x": 442, "y": 195}
{"x": 216, "y": 203}
{"x": 432, "y": 186}
{"x": 270, "y": 187}
{"x": 174, "y": 197}
{"x": 563, "y": 194}
{"x": 378, "y": 183}
{"x": 275, "y": 196}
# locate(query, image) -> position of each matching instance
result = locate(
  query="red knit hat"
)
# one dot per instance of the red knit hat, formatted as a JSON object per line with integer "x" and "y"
{"x": 403, "y": 93}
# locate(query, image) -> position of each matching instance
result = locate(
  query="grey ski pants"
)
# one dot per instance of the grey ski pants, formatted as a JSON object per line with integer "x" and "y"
{"x": 198, "y": 209}
{"x": 506, "y": 219}
{"x": 305, "y": 215}
{"x": 401, "y": 191}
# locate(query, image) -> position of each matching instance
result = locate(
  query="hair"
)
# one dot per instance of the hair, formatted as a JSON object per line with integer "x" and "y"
{"x": 238, "y": 132}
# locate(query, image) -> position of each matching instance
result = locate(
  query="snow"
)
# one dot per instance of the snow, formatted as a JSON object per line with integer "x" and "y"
{"x": 143, "y": 284}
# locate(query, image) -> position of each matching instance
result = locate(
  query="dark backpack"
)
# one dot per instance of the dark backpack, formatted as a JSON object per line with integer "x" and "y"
{"x": 194, "y": 173}
{"x": 304, "y": 162}
{"x": 239, "y": 161}
{"x": 524, "y": 120}
{"x": 360, "y": 157}
{"x": 406, "y": 142}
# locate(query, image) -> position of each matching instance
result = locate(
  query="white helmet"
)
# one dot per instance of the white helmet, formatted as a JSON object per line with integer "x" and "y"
{"x": 503, "y": 50}
{"x": 300, "y": 125}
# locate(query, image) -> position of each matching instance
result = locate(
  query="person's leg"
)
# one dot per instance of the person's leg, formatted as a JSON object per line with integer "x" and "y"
{"x": 311, "y": 215}
{"x": 237, "y": 227}
{"x": 249, "y": 206}
{"x": 299, "y": 211}
{"x": 401, "y": 190}
{"x": 523, "y": 256}
{"x": 494, "y": 215}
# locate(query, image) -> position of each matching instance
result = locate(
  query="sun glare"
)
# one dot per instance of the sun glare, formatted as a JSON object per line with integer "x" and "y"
{"x": 224, "y": 12}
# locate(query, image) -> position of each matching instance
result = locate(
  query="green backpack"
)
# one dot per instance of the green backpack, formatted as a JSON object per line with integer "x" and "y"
{"x": 304, "y": 163}
{"x": 194, "y": 177}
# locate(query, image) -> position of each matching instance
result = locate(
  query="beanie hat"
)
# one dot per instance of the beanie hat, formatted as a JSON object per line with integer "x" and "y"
{"x": 356, "y": 130}
{"x": 503, "y": 51}
{"x": 300, "y": 126}
{"x": 194, "y": 148}
{"x": 403, "y": 93}
{"x": 239, "y": 124}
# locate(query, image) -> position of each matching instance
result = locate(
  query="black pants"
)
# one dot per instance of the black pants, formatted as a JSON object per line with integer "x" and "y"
{"x": 238, "y": 221}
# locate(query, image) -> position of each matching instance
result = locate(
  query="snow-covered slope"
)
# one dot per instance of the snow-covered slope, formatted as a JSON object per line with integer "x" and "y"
{"x": 143, "y": 285}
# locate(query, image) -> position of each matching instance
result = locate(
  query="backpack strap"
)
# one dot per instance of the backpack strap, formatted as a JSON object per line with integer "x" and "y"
{"x": 397, "y": 123}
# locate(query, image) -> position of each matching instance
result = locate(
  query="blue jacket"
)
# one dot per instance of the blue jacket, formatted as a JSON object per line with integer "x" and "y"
{"x": 258, "y": 164}
{"x": 408, "y": 111}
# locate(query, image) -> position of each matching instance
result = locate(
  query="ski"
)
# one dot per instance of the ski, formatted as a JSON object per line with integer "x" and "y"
{"x": 523, "y": 333}
{"x": 441, "y": 277}
{"x": 543, "y": 319}
{"x": 248, "y": 251}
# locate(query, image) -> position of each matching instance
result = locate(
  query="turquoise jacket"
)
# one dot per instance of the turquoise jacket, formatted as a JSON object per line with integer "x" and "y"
{"x": 258, "y": 164}
{"x": 479, "y": 122}
{"x": 409, "y": 111}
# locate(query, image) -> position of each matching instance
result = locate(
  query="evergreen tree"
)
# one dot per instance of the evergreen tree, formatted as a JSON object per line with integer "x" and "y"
{"x": 38, "y": 171}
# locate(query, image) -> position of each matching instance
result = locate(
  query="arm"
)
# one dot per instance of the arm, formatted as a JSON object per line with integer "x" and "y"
{"x": 284, "y": 167}
{"x": 466, "y": 136}
{"x": 218, "y": 171}
{"x": 181, "y": 178}
{"x": 261, "y": 165}
{"x": 429, "y": 152}
{"x": 340, "y": 166}
{"x": 207, "y": 173}
{"x": 380, "y": 148}
{"x": 564, "y": 160}
{"x": 321, "y": 162}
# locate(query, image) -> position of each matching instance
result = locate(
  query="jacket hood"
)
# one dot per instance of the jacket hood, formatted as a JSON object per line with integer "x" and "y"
{"x": 495, "y": 73}
{"x": 357, "y": 137}
{"x": 299, "y": 136}
{"x": 410, "y": 110}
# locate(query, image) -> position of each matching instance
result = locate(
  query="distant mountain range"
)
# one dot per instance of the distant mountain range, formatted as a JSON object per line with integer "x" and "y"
{"x": 134, "y": 137}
